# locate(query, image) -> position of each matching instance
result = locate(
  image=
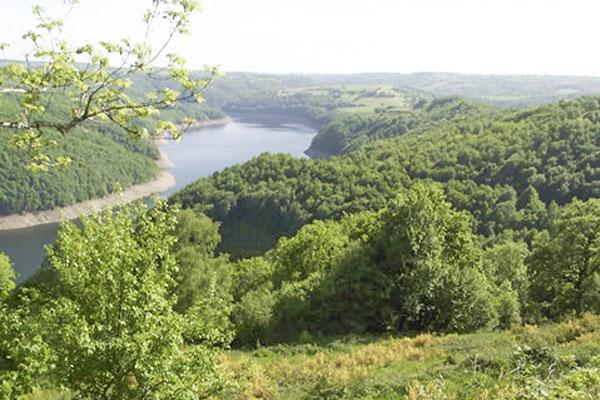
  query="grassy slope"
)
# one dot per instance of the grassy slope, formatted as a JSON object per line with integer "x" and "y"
{"x": 550, "y": 362}
{"x": 487, "y": 365}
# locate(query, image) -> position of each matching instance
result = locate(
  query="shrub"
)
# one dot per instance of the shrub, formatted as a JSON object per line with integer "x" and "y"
{"x": 252, "y": 316}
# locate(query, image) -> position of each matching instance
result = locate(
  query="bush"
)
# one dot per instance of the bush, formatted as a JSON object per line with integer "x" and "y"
{"x": 508, "y": 306}
{"x": 252, "y": 316}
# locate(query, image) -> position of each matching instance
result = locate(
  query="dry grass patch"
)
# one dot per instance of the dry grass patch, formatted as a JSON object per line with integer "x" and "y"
{"x": 431, "y": 391}
{"x": 252, "y": 380}
{"x": 571, "y": 330}
{"x": 263, "y": 378}
{"x": 424, "y": 340}
{"x": 359, "y": 362}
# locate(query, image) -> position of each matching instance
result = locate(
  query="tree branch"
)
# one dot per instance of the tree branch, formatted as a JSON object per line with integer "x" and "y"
{"x": 12, "y": 90}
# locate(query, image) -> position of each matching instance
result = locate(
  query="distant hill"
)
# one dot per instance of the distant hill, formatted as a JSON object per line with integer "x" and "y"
{"x": 501, "y": 90}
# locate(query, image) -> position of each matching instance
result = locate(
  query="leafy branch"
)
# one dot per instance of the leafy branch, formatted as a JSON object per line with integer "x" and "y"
{"x": 96, "y": 89}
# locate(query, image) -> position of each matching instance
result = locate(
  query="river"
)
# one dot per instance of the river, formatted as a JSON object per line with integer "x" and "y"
{"x": 198, "y": 154}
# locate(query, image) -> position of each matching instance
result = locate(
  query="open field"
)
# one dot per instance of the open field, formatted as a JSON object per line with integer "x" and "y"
{"x": 359, "y": 98}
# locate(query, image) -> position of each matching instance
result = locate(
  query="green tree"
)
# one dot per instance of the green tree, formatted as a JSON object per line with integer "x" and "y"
{"x": 255, "y": 299}
{"x": 565, "y": 261}
{"x": 253, "y": 316}
{"x": 508, "y": 306}
{"x": 98, "y": 90}
{"x": 201, "y": 274}
{"x": 7, "y": 275}
{"x": 505, "y": 262}
{"x": 105, "y": 328}
{"x": 430, "y": 264}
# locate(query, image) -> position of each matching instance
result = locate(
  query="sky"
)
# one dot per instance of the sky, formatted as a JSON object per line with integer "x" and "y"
{"x": 542, "y": 37}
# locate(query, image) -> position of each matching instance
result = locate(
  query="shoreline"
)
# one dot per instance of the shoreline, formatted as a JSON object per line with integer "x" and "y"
{"x": 162, "y": 182}
{"x": 164, "y": 138}
{"x": 208, "y": 122}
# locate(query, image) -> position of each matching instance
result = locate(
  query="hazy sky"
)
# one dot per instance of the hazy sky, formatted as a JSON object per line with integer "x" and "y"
{"x": 468, "y": 36}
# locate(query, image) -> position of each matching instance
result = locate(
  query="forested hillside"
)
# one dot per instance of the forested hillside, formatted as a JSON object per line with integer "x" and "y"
{"x": 104, "y": 156}
{"x": 98, "y": 165}
{"x": 508, "y": 169}
{"x": 350, "y": 131}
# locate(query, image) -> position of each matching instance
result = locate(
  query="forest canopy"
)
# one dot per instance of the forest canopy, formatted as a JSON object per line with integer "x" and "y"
{"x": 508, "y": 169}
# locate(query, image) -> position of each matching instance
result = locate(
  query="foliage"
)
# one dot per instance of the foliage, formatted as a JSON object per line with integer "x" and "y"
{"x": 200, "y": 272}
{"x": 105, "y": 326}
{"x": 95, "y": 91}
{"x": 7, "y": 275}
{"x": 506, "y": 169}
{"x": 414, "y": 266}
{"x": 508, "y": 306}
{"x": 505, "y": 262}
{"x": 431, "y": 255}
{"x": 565, "y": 261}
{"x": 253, "y": 316}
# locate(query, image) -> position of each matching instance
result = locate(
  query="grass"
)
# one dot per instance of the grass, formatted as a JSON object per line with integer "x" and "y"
{"x": 557, "y": 361}
{"x": 267, "y": 374}
{"x": 567, "y": 92}
{"x": 360, "y": 98}
{"x": 521, "y": 363}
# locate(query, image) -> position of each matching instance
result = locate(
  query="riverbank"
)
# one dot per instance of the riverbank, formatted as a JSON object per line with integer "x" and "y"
{"x": 162, "y": 140}
{"x": 208, "y": 122}
{"x": 161, "y": 183}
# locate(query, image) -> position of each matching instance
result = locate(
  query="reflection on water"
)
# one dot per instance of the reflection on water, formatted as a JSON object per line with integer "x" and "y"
{"x": 276, "y": 121}
{"x": 198, "y": 154}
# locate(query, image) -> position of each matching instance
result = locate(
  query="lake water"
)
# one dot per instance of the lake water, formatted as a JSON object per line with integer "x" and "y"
{"x": 198, "y": 154}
